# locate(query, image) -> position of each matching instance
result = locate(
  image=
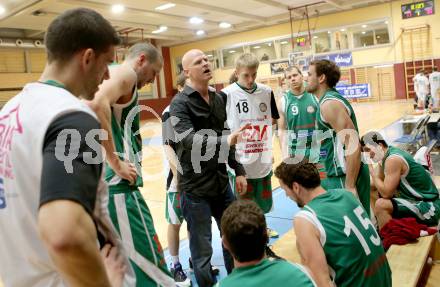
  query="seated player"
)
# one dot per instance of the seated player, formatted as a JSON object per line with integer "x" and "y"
{"x": 245, "y": 235}
{"x": 334, "y": 236}
{"x": 405, "y": 187}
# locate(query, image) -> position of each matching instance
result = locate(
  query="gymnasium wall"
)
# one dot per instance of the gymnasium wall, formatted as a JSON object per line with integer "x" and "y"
{"x": 391, "y": 53}
{"x": 19, "y": 66}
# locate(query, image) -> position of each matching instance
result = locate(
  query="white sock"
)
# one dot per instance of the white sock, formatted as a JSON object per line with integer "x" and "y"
{"x": 175, "y": 259}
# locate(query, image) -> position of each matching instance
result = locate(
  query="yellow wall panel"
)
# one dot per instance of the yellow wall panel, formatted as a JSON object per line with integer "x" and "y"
{"x": 12, "y": 61}
{"x": 387, "y": 54}
{"x": 37, "y": 60}
{"x": 17, "y": 80}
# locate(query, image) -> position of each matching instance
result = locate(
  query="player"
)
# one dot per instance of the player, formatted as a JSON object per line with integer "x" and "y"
{"x": 340, "y": 149}
{"x": 116, "y": 105}
{"x": 252, "y": 103}
{"x": 405, "y": 186}
{"x": 244, "y": 235}
{"x": 421, "y": 88}
{"x": 434, "y": 83}
{"x": 334, "y": 236}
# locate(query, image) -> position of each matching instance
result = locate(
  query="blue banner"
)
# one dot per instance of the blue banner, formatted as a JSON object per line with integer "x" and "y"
{"x": 341, "y": 59}
{"x": 356, "y": 91}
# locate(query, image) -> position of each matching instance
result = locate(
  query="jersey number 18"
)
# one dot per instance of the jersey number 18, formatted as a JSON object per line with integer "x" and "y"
{"x": 244, "y": 107}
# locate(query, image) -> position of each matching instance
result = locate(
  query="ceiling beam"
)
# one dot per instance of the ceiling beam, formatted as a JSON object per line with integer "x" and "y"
{"x": 220, "y": 10}
{"x": 24, "y": 8}
{"x": 337, "y": 5}
{"x": 142, "y": 13}
{"x": 32, "y": 34}
{"x": 278, "y": 5}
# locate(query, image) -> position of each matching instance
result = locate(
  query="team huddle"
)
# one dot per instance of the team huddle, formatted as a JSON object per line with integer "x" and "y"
{"x": 77, "y": 217}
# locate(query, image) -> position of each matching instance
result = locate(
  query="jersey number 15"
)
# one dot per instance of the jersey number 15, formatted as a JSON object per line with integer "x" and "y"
{"x": 366, "y": 223}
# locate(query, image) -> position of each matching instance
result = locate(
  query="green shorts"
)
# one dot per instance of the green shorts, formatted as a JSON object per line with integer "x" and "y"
{"x": 425, "y": 212}
{"x": 173, "y": 212}
{"x": 362, "y": 185}
{"x": 132, "y": 219}
{"x": 259, "y": 190}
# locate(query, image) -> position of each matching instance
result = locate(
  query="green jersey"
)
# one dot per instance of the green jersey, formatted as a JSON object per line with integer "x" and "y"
{"x": 352, "y": 247}
{"x": 332, "y": 150}
{"x": 300, "y": 117}
{"x": 127, "y": 139}
{"x": 269, "y": 272}
{"x": 417, "y": 183}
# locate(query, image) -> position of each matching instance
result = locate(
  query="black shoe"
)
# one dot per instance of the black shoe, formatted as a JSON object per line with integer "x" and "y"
{"x": 271, "y": 254}
{"x": 190, "y": 265}
{"x": 179, "y": 276}
{"x": 214, "y": 269}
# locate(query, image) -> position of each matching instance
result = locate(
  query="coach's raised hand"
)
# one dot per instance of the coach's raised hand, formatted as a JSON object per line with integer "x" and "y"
{"x": 236, "y": 136}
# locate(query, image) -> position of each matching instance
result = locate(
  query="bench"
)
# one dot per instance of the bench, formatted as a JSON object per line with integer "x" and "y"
{"x": 285, "y": 247}
{"x": 418, "y": 136}
{"x": 408, "y": 261}
{"x": 434, "y": 276}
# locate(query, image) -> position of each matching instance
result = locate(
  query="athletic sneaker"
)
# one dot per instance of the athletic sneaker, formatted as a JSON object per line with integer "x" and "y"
{"x": 179, "y": 276}
{"x": 272, "y": 233}
{"x": 271, "y": 254}
{"x": 214, "y": 269}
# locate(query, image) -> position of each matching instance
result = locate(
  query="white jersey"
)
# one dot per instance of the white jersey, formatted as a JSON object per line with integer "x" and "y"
{"x": 434, "y": 82}
{"x": 24, "y": 120}
{"x": 242, "y": 107}
{"x": 421, "y": 84}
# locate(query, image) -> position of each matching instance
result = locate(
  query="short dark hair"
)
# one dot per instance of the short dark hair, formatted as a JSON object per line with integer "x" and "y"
{"x": 152, "y": 53}
{"x": 373, "y": 138}
{"x": 181, "y": 79}
{"x": 329, "y": 69}
{"x": 233, "y": 78}
{"x": 78, "y": 29}
{"x": 290, "y": 68}
{"x": 244, "y": 227}
{"x": 304, "y": 173}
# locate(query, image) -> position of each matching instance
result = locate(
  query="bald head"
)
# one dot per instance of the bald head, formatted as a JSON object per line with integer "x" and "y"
{"x": 196, "y": 66}
{"x": 189, "y": 57}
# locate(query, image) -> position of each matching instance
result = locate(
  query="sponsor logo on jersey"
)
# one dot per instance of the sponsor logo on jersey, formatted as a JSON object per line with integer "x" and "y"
{"x": 263, "y": 107}
{"x": 310, "y": 109}
{"x": 10, "y": 126}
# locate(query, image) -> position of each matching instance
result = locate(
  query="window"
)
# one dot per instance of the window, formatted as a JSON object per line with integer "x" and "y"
{"x": 285, "y": 47}
{"x": 382, "y": 36}
{"x": 363, "y": 38}
{"x": 179, "y": 67}
{"x": 230, "y": 55}
{"x": 371, "y": 34}
{"x": 213, "y": 59}
{"x": 340, "y": 40}
{"x": 300, "y": 45}
{"x": 263, "y": 51}
{"x": 321, "y": 42}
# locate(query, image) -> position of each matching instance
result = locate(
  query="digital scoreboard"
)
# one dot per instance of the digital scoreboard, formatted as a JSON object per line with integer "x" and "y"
{"x": 417, "y": 9}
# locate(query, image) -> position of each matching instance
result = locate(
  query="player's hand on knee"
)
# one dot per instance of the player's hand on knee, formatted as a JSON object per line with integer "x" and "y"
{"x": 241, "y": 185}
{"x": 114, "y": 264}
{"x": 126, "y": 170}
